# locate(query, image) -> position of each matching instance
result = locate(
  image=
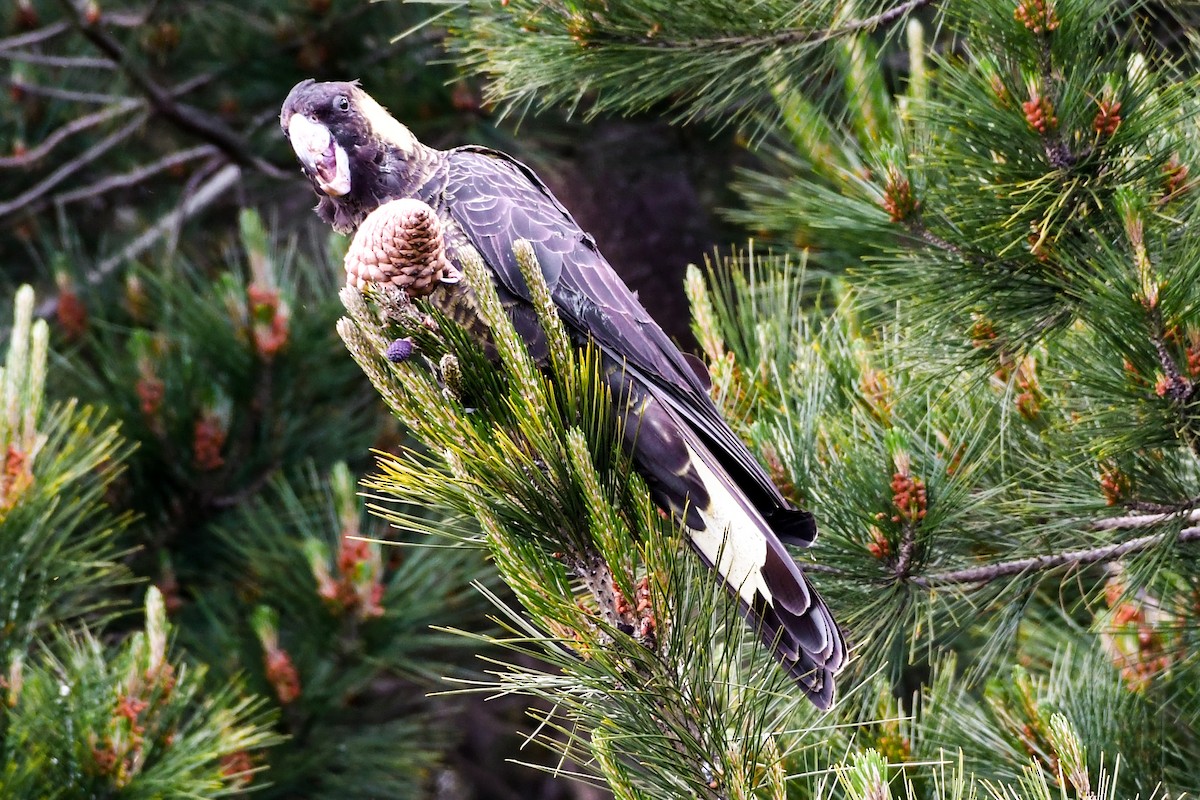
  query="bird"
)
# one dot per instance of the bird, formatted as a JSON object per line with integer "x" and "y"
{"x": 358, "y": 157}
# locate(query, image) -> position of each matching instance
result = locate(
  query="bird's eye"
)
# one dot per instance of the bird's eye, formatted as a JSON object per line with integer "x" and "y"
{"x": 342, "y": 102}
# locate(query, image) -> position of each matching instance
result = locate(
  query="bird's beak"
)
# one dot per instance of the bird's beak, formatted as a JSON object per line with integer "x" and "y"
{"x": 322, "y": 157}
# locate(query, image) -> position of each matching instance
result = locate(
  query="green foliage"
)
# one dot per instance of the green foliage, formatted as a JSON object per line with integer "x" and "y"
{"x": 223, "y": 381}
{"x": 964, "y": 516}
{"x": 61, "y": 540}
{"x": 995, "y": 425}
{"x": 248, "y": 518}
{"x": 118, "y": 115}
{"x": 655, "y": 683}
{"x": 333, "y": 619}
{"x": 709, "y": 59}
{"x": 83, "y": 720}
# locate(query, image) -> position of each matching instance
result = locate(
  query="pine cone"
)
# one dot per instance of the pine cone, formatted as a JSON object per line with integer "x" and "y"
{"x": 400, "y": 243}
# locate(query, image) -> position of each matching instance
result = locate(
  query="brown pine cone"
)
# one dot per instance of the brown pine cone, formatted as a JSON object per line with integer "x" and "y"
{"x": 400, "y": 243}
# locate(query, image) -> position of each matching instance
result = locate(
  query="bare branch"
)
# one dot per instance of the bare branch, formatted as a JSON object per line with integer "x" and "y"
{"x": 1143, "y": 520}
{"x": 43, "y": 187}
{"x": 34, "y": 37}
{"x": 187, "y": 118}
{"x": 134, "y": 177}
{"x": 1070, "y": 558}
{"x": 66, "y": 94}
{"x": 77, "y": 125}
{"x": 192, "y": 205}
{"x": 66, "y": 62}
{"x": 986, "y": 573}
{"x": 794, "y": 36}
{"x": 908, "y": 546}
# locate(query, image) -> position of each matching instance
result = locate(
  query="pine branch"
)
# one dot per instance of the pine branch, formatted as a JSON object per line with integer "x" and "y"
{"x": 194, "y": 203}
{"x": 794, "y": 36}
{"x": 36, "y": 193}
{"x": 615, "y": 605}
{"x": 42, "y": 34}
{"x": 134, "y": 177}
{"x": 183, "y": 116}
{"x": 1072, "y": 558}
{"x": 61, "y": 134}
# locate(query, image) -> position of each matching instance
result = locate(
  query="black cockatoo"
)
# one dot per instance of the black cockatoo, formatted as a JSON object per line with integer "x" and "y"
{"x": 358, "y": 157}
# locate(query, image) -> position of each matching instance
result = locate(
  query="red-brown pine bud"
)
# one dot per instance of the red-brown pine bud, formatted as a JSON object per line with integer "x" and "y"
{"x": 898, "y": 199}
{"x": 1037, "y": 15}
{"x": 282, "y": 675}
{"x": 1108, "y": 116}
{"x": 1039, "y": 112}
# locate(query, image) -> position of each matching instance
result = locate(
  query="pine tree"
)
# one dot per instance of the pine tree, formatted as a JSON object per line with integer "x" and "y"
{"x": 81, "y": 718}
{"x": 968, "y": 347}
{"x": 247, "y": 519}
{"x": 983, "y": 387}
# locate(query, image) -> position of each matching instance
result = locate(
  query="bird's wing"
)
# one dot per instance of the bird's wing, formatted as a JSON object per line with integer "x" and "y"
{"x": 496, "y": 200}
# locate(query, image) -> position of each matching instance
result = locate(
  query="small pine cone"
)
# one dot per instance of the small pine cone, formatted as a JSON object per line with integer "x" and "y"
{"x": 400, "y": 243}
{"x": 282, "y": 674}
{"x": 400, "y": 350}
{"x": 879, "y": 547}
{"x": 983, "y": 333}
{"x": 71, "y": 312}
{"x": 1193, "y": 356}
{"x": 909, "y": 498}
{"x": 898, "y": 199}
{"x": 1114, "y": 485}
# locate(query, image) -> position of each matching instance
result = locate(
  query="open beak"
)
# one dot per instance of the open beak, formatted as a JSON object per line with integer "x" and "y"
{"x": 322, "y": 157}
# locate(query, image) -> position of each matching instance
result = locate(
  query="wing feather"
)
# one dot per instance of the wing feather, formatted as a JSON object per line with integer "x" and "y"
{"x": 496, "y": 200}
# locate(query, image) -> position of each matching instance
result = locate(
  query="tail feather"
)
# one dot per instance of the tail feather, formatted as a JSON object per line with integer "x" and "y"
{"x": 738, "y": 540}
{"x": 775, "y": 596}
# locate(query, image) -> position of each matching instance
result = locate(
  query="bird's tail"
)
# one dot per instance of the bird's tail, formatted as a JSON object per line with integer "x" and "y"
{"x": 776, "y": 598}
{"x": 736, "y": 538}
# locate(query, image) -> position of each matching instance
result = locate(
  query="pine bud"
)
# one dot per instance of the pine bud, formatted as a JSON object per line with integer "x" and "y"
{"x": 879, "y": 547}
{"x": 1003, "y": 97}
{"x": 1193, "y": 353}
{"x": 1176, "y": 178}
{"x": 269, "y": 317}
{"x": 27, "y": 17}
{"x": 1108, "y": 116}
{"x": 1029, "y": 400}
{"x": 208, "y": 437}
{"x": 15, "y": 479}
{"x": 982, "y": 333}
{"x": 71, "y": 313}
{"x": 898, "y": 199}
{"x": 908, "y": 498}
{"x": 1114, "y": 485}
{"x": 237, "y": 769}
{"x": 137, "y": 302}
{"x": 14, "y": 680}
{"x": 1039, "y": 112}
{"x": 282, "y": 675}
{"x": 1037, "y": 15}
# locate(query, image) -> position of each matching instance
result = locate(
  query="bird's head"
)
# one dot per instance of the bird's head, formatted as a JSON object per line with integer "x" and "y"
{"x": 338, "y": 132}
